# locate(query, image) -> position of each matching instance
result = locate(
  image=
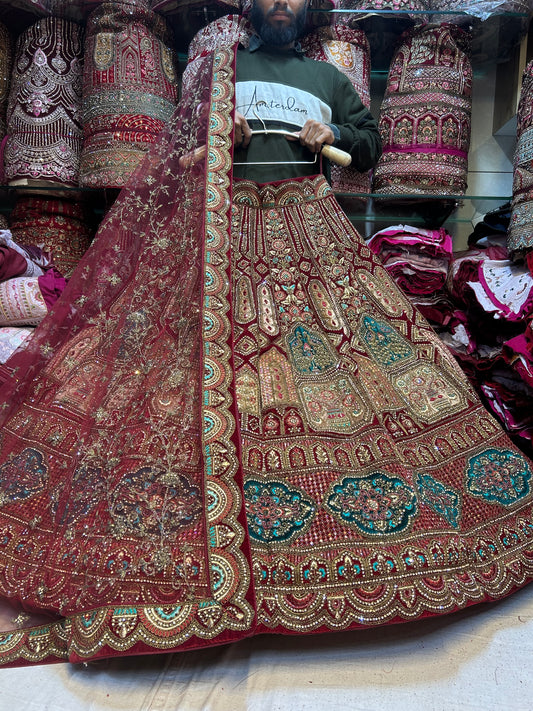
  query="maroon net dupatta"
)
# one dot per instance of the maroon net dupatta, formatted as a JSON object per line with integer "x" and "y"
{"x": 114, "y": 483}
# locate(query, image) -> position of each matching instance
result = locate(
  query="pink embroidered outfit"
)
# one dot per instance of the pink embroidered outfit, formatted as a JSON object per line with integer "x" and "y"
{"x": 44, "y": 132}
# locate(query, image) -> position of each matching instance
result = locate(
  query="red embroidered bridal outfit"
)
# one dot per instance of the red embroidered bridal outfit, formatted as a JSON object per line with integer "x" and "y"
{"x": 234, "y": 423}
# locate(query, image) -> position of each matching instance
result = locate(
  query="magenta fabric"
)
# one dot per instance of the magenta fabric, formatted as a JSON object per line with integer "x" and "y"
{"x": 12, "y": 264}
{"x": 417, "y": 259}
{"x": 52, "y": 284}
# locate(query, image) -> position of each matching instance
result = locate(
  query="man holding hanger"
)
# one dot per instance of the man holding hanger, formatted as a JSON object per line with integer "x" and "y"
{"x": 279, "y": 88}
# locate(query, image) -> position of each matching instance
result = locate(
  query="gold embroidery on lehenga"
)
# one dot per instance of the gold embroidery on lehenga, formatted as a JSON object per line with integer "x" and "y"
{"x": 247, "y": 390}
{"x": 244, "y": 302}
{"x": 428, "y": 393}
{"x": 267, "y": 311}
{"x": 364, "y": 497}
{"x": 333, "y": 404}
{"x": 277, "y": 382}
{"x": 324, "y": 305}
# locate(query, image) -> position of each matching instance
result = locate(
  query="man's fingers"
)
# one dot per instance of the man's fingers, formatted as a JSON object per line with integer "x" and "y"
{"x": 314, "y": 134}
{"x": 246, "y": 134}
{"x": 243, "y": 132}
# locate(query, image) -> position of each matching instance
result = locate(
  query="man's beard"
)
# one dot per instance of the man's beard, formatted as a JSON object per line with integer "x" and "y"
{"x": 278, "y": 36}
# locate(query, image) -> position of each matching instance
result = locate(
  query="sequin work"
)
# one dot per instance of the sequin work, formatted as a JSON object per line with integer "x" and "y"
{"x": 44, "y": 109}
{"x": 6, "y": 61}
{"x": 129, "y": 89}
{"x": 519, "y": 234}
{"x": 241, "y": 427}
{"x": 425, "y": 115}
{"x": 374, "y": 428}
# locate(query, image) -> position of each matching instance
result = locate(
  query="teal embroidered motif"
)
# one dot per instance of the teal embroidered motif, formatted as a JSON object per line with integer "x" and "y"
{"x": 383, "y": 342}
{"x": 445, "y": 502}
{"x": 22, "y": 476}
{"x": 276, "y": 513}
{"x": 498, "y": 475}
{"x": 377, "y": 504}
{"x": 311, "y": 352}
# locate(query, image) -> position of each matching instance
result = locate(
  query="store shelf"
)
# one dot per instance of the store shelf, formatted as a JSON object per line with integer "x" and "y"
{"x": 494, "y": 43}
{"x": 370, "y": 213}
{"x": 96, "y": 200}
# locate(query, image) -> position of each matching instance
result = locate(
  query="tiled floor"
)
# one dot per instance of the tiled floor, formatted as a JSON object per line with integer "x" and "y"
{"x": 480, "y": 658}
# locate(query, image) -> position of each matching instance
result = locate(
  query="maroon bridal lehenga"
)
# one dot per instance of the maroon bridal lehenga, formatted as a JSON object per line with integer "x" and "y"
{"x": 232, "y": 423}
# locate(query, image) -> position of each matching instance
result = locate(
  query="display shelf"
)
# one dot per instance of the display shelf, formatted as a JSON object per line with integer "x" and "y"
{"x": 432, "y": 211}
{"x": 494, "y": 40}
{"x": 370, "y": 213}
{"x": 96, "y": 200}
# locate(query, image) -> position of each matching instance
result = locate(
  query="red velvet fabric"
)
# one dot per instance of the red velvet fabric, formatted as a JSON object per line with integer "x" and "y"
{"x": 233, "y": 422}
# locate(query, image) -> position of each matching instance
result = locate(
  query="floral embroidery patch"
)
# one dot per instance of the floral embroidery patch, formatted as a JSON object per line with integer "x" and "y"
{"x": 377, "y": 504}
{"x": 276, "y": 513}
{"x": 22, "y": 476}
{"x": 445, "y": 502}
{"x": 498, "y": 475}
{"x": 383, "y": 342}
{"x": 148, "y": 503}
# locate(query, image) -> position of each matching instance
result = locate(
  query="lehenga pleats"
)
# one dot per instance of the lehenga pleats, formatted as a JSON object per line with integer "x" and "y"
{"x": 377, "y": 487}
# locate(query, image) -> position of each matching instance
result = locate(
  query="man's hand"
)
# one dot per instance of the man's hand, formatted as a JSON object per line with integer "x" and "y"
{"x": 243, "y": 132}
{"x": 314, "y": 134}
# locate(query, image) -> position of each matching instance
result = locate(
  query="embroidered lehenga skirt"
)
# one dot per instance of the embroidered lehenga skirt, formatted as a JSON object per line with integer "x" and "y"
{"x": 233, "y": 422}
{"x": 44, "y": 132}
{"x": 371, "y": 474}
{"x": 519, "y": 236}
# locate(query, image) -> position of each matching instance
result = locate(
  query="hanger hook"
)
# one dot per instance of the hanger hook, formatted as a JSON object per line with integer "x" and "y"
{"x": 260, "y": 103}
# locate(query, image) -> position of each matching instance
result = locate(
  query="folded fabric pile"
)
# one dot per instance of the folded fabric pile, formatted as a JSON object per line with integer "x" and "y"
{"x": 498, "y": 298}
{"x": 464, "y": 271}
{"x": 481, "y": 305}
{"x": 11, "y": 338}
{"x": 29, "y": 287}
{"x": 418, "y": 260}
